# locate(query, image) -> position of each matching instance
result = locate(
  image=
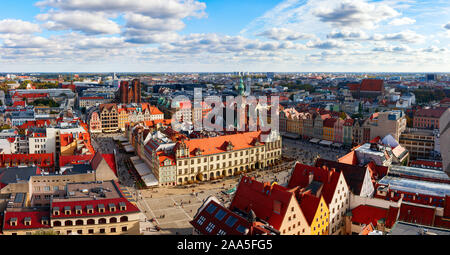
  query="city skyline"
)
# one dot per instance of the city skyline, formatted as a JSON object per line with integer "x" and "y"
{"x": 218, "y": 36}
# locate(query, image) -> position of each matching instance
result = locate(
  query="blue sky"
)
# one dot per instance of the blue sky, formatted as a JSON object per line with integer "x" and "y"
{"x": 212, "y": 35}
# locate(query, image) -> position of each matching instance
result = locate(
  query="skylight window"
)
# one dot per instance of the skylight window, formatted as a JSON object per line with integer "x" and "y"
{"x": 211, "y": 208}
{"x": 241, "y": 229}
{"x": 231, "y": 221}
{"x": 220, "y": 214}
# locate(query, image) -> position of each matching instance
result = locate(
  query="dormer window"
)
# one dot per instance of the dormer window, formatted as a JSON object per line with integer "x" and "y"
{"x": 67, "y": 210}
{"x": 123, "y": 206}
{"x": 56, "y": 211}
{"x": 101, "y": 208}
{"x": 44, "y": 220}
{"x": 13, "y": 222}
{"x": 78, "y": 209}
{"x": 27, "y": 221}
{"x": 112, "y": 207}
{"x": 90, "y": 209}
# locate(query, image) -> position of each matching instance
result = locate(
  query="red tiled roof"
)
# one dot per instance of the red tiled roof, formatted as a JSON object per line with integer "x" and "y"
{"x": 431, "y": 113}
{"x": 19, "y": 103}
{"x": 349, "y": 158}
{"x": 417, "y": 214}
{"x": 130, "y": 208}
{"x": 366, "y": 214}
{"x": 219, "y": 224}
{"x": 372, "y": 85}
{"x": 329, "y": 179}
{"x": 213, "y": 145}
{"x": 309, "y": 205}
{"x": 354, "y": 175}
{"x": 75, "y": 159}
{"x": 377, "y": 171}
{"x": 269, "y": 202}
{"x": 437, "y": 164}
{"x": 329, "y": 122}
{"x": 447, "y": 206}
{"x": 36, "y": 217}
{"x": 110, "y": 159}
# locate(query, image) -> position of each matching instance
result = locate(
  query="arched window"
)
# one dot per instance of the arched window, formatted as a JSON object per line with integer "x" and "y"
{"x": 68, "y": 223}
{"x": 79, "y": 222}
{"x": 90, "y": 222}
{"x": 57, "y": 223}
{"x": 113, "y": 220}
{"x": 123, "y": 218}
{"x": 102, "y": 221}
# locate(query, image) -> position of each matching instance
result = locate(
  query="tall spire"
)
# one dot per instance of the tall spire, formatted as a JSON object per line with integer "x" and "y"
{"x": 241, "y": 87}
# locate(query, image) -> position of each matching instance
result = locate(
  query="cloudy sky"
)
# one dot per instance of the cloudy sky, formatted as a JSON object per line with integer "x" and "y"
{"x": 225, "y": 35}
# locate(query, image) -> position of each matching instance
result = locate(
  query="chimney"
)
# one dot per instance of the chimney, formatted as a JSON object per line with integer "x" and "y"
{"x": 311, "y": 177}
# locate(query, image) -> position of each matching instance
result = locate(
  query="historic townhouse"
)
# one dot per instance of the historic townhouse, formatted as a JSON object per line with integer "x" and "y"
{"x": 273, "y": 204}
{"x": 109, "y": 117}
{"x": 216, "y": 157}
{"x": 327, "y": 183}
{"x": 94, "y": 208}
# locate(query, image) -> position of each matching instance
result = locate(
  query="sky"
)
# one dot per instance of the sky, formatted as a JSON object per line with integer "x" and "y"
{"x": 224, "y": 36}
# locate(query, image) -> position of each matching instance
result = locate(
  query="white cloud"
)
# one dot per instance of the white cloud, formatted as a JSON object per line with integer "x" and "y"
{"x": 16, "y": 26}
{"x": 404, "y": 36}
{"x": 402, "y": 21}
{"x": 348, "y": 35}
{"x": 155, "y": 8}
{"x": 88, "y": 23}
{"x": 282, "y": 34}
{"x": 138, "y": 21}
{"x": 355, "y": 13}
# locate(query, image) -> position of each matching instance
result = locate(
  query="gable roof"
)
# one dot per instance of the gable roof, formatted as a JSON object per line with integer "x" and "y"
{"x": 221, "y": 220}
{"x": 269, "y": 202}
{"x": 309, "y": 204}
{"x": 354, "y": 175}
{"x": 328, "y": 178}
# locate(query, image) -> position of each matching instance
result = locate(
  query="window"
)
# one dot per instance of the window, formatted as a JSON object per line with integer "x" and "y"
{"x": 242, "y": 229}
{"x": 221, "y": 232}
{"x": 201, "y": 220}
{"x": 113, "y": 230}
{"x": 231, "y": 221}
{"x": 102, "y": 230}
{"x": 91, "y": 231}
{"x": 80, "y": 231}
{"x": 124, "y": 229}
{"x": 210, "y": 227}
{"x": 220, "y": 214}
{"x": 211, "y": 208}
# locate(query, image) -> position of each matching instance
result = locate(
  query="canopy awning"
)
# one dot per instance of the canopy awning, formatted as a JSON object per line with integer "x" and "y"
{"x": 314, "y": 140}
{"x": 290, "y": 135}
{"x": 325, "y": 142}
{"x": 122, "y": 139}
{"x": 150, "y": 180}
{"x": 129, "y": 148}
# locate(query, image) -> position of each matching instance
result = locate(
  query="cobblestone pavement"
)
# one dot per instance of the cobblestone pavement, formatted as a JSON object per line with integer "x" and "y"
{"x": 171, "y": 208}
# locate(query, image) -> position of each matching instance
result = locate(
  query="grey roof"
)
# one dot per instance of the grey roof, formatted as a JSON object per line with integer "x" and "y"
{"x": 418, "y": 172}
{"x": 314, "y": 186}
{"x": 416, "y": 186}
{"x": 403, "y": 228}
{"x": 12, "y": 174}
